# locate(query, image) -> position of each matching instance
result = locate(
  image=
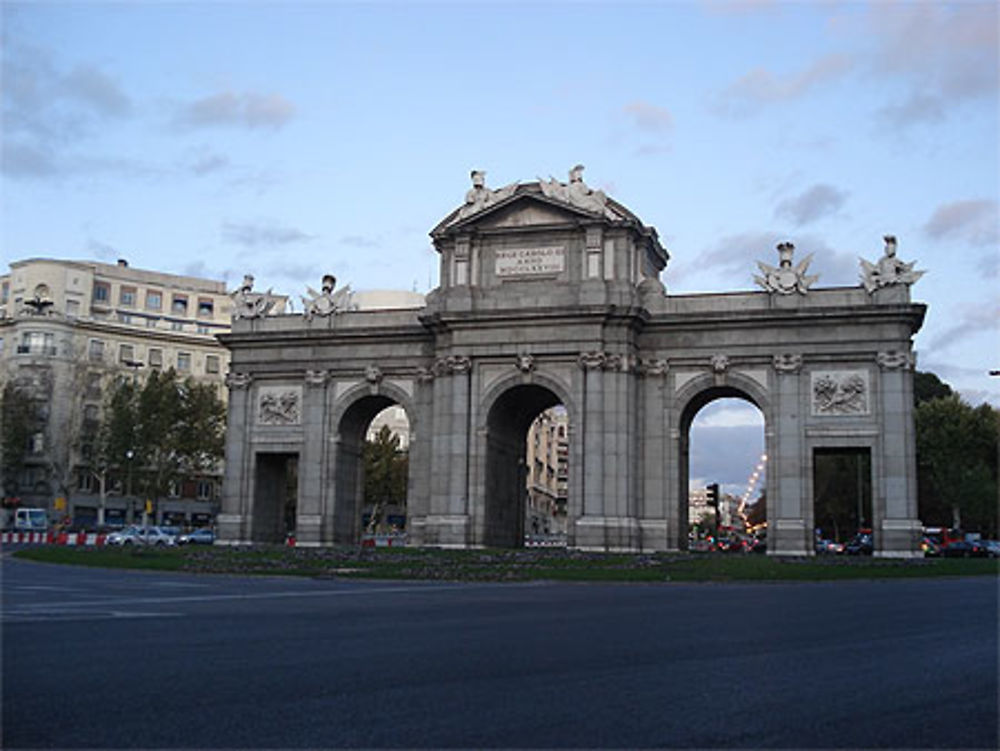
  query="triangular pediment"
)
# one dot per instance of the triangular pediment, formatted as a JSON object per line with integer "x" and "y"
{"x": 525, "y": 207}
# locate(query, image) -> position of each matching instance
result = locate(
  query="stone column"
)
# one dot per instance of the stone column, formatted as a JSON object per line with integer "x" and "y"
{"x": 786, "y": 487}
{"x": 658, "y": 528}
{"x": 899, "y": 529}
{"x": 448, "y": 520}
{"x": 419, "y": 481}
{"x": 234, "y": 518}
{"x": 312, "y": 461}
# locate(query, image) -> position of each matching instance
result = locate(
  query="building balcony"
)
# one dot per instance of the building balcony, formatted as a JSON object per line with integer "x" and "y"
{"x": 31, "y": 349}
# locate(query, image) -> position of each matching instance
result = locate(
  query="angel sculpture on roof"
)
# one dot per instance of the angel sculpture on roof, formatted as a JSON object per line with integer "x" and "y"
{"x": 888, "y": 270}
{"x": 327, "y": 302}
{"x": 786, "y": 279}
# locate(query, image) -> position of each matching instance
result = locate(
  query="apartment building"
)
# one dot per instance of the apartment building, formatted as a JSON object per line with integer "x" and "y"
{"x": 67, "y": 330}
{"x": 547, "y": 473}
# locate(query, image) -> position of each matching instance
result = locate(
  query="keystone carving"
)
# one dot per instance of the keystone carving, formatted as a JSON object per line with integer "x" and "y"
{"x": 373, "y": 374}
{"x": 720, "y": 363}
{"x": 525, "y": 362}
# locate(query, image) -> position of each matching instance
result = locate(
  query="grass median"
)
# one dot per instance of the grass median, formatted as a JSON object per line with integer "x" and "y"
{"x": 504, "y": 565}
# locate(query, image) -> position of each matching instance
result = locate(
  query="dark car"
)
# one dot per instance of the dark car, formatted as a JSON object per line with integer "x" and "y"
{"x": 862, "y": 544}
{"x": 964, "y": 549}
{"x": 203, "y": 536}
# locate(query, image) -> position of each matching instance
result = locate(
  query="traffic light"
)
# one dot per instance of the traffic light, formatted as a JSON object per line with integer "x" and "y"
{"x": 713, "y": 494}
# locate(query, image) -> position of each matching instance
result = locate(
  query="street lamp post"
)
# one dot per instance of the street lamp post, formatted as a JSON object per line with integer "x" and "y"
{"x": 129, "y": 455}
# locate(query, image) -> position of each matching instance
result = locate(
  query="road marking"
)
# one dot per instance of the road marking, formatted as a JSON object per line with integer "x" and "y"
{"x": 253, "y": 596}
{"x": 62, "y": 615}
{"x": 39, "y": 587}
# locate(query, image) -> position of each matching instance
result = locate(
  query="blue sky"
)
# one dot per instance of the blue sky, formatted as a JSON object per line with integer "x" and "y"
{"x": 295, "y": 139}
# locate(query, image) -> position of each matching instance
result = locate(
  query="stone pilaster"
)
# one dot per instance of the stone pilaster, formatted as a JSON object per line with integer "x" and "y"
{"x": 234, "y": 517}
{"x": 310, "y": 514}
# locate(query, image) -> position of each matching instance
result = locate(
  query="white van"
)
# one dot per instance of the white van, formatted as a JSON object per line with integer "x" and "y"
{"x": 31, "y": 520}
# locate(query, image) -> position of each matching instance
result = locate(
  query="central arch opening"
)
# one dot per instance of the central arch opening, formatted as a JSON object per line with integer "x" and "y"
{"x": 527, "y": 438}
{"x": 722, "y": 472}
{"x": 372, "y": 474}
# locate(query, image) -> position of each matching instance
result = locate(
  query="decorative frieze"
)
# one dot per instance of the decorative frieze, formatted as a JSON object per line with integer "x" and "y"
{"x": 317, "y": 378}
{"x": 787, "y": 363}
{"x": 653, "y": 366}
{"x": 452, "y": 365}
{"x": 592, "y": 360}
{"x": 238, "y": 380}
{"x": 840, "y": 392}
{"x": 896, "y": 360}
{"x": 279, "y": 405}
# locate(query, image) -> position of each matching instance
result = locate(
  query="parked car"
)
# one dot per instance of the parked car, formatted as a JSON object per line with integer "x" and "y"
{"x": 829, "y": 546}
{"x": 862, "y": 544}
{"x": 964, "y": 549}
{"x": 204, "y": 536}
{"x": 136, "y": 535}
{"x": 992, "y": 548}
{"x": 930, "y": 548}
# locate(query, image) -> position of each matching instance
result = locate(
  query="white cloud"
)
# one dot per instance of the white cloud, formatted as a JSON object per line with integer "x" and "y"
{"x": 974, "y": 320}
{"x": 262, "y": 234}
{"x": 245, "y": 110}
{"x": 760, "y": 87}
{"x": 812, "y": 204}
{"x": 973, "y": 221}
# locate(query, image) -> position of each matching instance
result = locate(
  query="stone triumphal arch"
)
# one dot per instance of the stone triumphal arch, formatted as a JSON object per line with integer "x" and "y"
{"x": 550, "y": 294}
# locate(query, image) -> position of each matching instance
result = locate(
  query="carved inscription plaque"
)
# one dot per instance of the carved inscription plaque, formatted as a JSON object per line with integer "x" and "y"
{"x": 544, "y": 261}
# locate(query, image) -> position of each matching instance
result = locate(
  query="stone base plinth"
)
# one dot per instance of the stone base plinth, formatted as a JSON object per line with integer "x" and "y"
{"x": 440, "y": 530}
{"x": 606, "y": 534}
{"x": 899, "y": 538}
{"x": 232, "y": 529}
{"x": 789, "y": 537}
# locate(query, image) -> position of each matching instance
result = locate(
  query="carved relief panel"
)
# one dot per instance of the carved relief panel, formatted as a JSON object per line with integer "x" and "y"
{"x": 840, "y": 392}
{"x": 279, "y": 405}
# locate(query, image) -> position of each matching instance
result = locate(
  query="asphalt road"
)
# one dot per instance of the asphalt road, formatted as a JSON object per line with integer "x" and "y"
{"x": 103, "y": 659}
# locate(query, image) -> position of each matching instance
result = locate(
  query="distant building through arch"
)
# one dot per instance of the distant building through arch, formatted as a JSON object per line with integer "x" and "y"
{"x": 550, "y": 295}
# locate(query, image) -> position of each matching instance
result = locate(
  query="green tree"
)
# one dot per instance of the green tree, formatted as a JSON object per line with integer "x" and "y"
{"x": 957, "y": 449}
{"x": 386, "y": 468}
{"x": 18, "y": 418}
{"x": 159, "y": 432}
{"x": 927, "y": 386}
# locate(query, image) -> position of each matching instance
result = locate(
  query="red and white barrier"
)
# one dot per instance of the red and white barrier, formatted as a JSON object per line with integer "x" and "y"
{"x": 80, "y": 539}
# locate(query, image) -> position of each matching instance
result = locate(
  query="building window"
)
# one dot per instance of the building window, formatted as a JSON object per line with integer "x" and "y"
{"x": 203, "y": 329}
{"x": 184, "y": 361}
{"x": 180, "y": 305}
{"x": 155, "y": 357}
{"x": 102, "y": 292}
{"x": 211, "y": 363}
{"x": 206, "y": 308}
{"x": 93, "y": 390}
{"x": 126, "y": 354}
{"x": 124, "y": 318}
{"x": 151, "y": 323}
{"x": 36, "y": 443}
{"x": 42, "y": 291}
{"x": 176, "y": 326}
{"x": 85, "y": 482}
{"x": 73, "y": 308}
{"x": 206, "y": 490}
{"x": 4, "y": 293}
{"x": 37, "y": 343}
{"x": 96, "y": 350}
{"x": 126, "y": 297}
{"x": 154, "y": 300}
